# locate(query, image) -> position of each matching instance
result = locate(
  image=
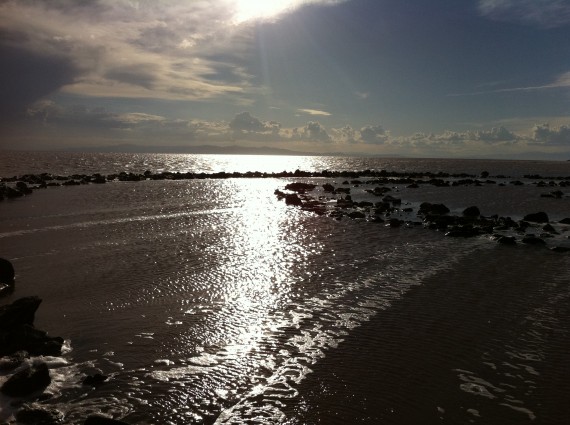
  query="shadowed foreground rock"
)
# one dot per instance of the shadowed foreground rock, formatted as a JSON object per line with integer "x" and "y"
{"x": 6, "y": 272}
{"x": 37, "y": 415}
{"x": 7, "y": 277}
{"x": 27, "y": 381}
{"x": 20, "y": 312}
{"x": 17, "y": 332}
{"x": 539, "y": 217}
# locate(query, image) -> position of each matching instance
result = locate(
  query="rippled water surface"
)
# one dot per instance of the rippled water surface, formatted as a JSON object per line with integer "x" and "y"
{"x": 210, "y": 301}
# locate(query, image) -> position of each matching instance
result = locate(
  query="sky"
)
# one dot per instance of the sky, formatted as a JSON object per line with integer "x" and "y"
{"x": 423, "y": 78}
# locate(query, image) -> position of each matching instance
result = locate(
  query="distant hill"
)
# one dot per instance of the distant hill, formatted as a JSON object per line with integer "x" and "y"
{"x": 202, "y": 149}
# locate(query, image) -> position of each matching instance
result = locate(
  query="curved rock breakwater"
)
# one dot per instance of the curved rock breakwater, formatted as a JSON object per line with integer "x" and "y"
{"x": 18, "y": 186}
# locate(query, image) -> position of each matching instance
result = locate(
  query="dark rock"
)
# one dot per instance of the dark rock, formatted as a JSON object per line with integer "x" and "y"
{"x": 34, "y": 341}
{"x": 434, "y": 209}
{"x": 379, "y": 191}
{"x": 13, "y": 361}
{"x": 315, "y": 207}
{"x": 507, "y": 240}
{"x": 565, "y": 221}
{"x": 345, "y": 202}
{"x": 94, "y": 380}
{"x": 17, "y": 332}
{"x": 345, "y": 190}
{"x": 548, "y": 228}
{"x": 102, "y": 420}
{"x": 561, "y": 249}
{"x": 33, "y": 415}
{"x": 20, "y": 312}
{"x": 394, "y": 222}
{"x": 300, "y": 187}
{"x": 391, "y": 199}
{"x": 23, "y": 188}
{"x": 533, "y": 240}
{"x": 413, "y": 186}
{"x": 293, "y": 199}
{"x": 328, "y": 187}
{"x": 28, "y": 381}
{"x": 7, "y": 274}
{"x": 356, "y": 214}
{"x": 484, "y": 174}
{"x": 521, "y": 225}
{"x": 471, "y": 212}
{"x": 98, "y": 179}
{"x": 539, "y": 217}
{"x": 440, "y": 222}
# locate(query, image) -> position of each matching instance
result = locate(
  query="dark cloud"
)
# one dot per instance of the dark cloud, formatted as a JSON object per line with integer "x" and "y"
{"x": 27, "y": 76}
{"x": 244, "y": 121}
{"x": 543, "y": 133}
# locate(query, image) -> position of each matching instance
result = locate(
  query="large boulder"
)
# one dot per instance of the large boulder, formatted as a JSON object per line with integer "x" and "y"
{"x": 300, "y": 187}
{"x": 29, "y": 339}
{"x": 328, "y": 187}
{"x": 7, "y": 274}
{"x": 539, "y": 217}
{"x": 427, "y": 208}
{"x": 27, "y": 381}
{"x": 533, "y": 240}
{"x": 507, "y": 240}
{"x": 38, "y": 415}
{"x": 17, "y": 332}
{"x": 20, "y": 312}
{"x": 471, "y": 212}
{"x": 293, "y": 199}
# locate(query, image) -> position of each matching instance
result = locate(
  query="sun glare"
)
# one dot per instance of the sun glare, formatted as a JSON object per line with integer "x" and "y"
{"x": 248, "y": 10}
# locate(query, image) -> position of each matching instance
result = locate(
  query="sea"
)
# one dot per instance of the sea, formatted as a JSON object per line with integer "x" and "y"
{"x": 211, "y": 301}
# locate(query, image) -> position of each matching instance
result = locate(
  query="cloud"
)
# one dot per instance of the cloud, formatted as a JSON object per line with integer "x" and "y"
{"x": 345, "y": 134}
{"x": 362, "y": 95}
{"x": 182, "y": 50}
{"x": 561, "y": 81}
{"x": 27, "y": 76}
{"x": 246, "y": 11}
{"x": 313, "y": 131}
{"x": 543, "y": 133}
{"x": 315, "y": 112}
{"x": 543, "y": 13}
{"x": 375, "y": 135}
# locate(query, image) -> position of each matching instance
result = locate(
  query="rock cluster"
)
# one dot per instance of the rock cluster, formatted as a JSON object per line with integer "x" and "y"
{"x": 21, "y": 346}
{"x": 430, "y": 215}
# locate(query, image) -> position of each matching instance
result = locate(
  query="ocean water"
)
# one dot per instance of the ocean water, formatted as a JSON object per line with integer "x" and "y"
{"x": 210, "y": 301}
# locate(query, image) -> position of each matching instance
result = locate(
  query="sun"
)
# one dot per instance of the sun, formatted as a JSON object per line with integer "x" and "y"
{"x": 248, "y": 10}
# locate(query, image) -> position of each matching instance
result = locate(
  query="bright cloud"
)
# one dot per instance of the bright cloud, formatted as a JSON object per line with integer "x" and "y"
{"x": 315, "y": 112}
{"x": 248, "y": 10}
